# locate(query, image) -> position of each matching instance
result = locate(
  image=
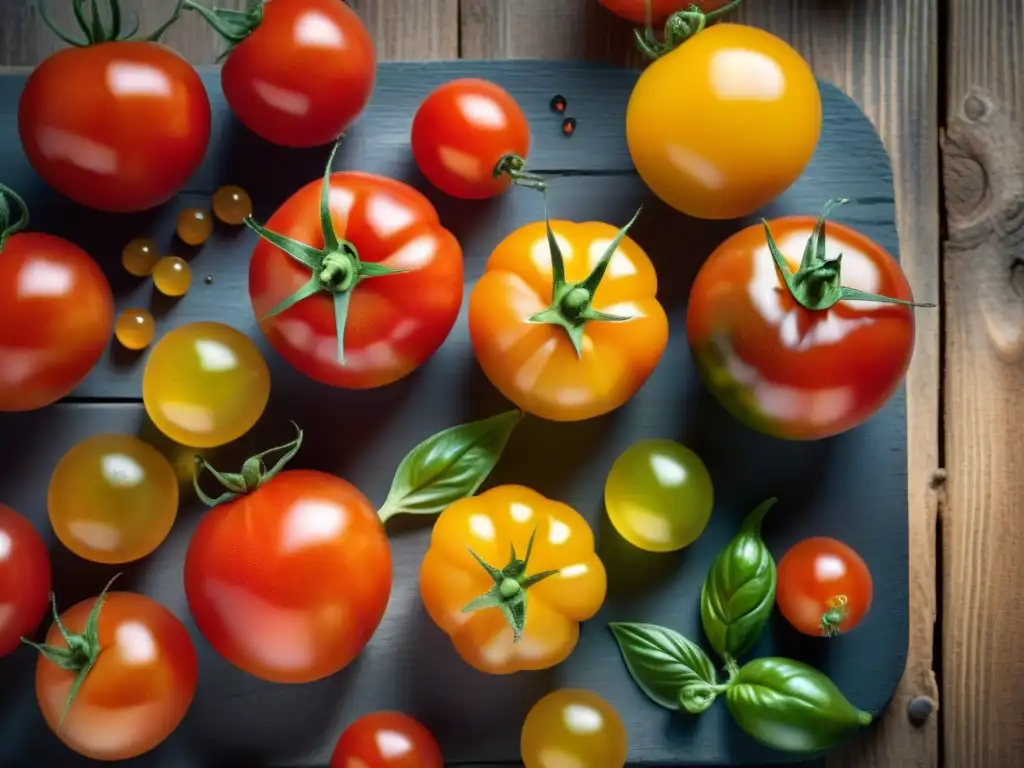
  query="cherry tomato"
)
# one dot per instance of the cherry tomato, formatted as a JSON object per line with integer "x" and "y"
{"x": 290, "y": 580}
{"x": 572, "y": 727}
{"x": 135, "y": 329}
{"x": 723, "y": 124}
{"x": 25, "y": 579}
{"x": 232, "y": 205}
{"x": 138, "y": 673}
{"x": 824, "y": 587}
{"x": 564, "y": 361}
{"x": 393, "y": 279}
{"x": 659, "y": 495}
{"x": 140, "y": 256}
{"x": 299, "y": 71}
{"x": 172, "y": 276}
{"x": 469, "y": 138}
{"x": 636, "y": 10}
{"x": 194, "y": 226}
{"x": 112, "y": 499}
{"x": 56, "y": 315}
{"x": 801, "y": 363}
{"x": 116, "y": 125}
{"x": 387, "y": 740}
{"x": 205, "y": 384}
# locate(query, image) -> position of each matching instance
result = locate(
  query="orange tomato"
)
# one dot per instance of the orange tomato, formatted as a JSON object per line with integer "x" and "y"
{"x": 737, "y": 133}
{"x": 573, "y": 348}
{"x": 505, "y": 631}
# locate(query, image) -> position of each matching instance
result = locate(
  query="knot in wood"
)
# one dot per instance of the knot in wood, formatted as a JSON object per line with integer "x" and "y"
{"x": 919, "y": 709}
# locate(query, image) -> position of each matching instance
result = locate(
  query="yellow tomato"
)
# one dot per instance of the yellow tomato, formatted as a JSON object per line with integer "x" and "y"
{"x": 726, "y": 122}
{"x": 572, "y": 727}
{"x": 205, "y": 384}
{"x": 112, "y": 499}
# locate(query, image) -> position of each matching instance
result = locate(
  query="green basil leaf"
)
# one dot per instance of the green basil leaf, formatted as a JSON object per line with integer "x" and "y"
{"x": 739, "y": 590}
{"x": 448, "y": 466}
{"x": 789, "y": 706}
{"x": 672, "y": 671}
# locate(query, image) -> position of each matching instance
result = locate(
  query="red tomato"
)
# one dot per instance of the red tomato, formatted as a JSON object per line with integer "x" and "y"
{"x": 387, "y": 740}
{"x": 785, "y": 368}
{"x": 25, "y": 579}
{"x": 300, "y": 71}
{"x": 395, "y": 320}
{"x": 139, "y": 687}
{"x": 824, "y": 587}
{"x": 464, "y": 132}
{"x": 56, "y": 316}
{"x": 289, "y": 581}
{"x": 118, "y": 126}
{"x": 636, "y": 10}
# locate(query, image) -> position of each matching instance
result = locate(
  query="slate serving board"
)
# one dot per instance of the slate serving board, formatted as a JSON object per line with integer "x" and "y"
{"x": 853, "y": 486}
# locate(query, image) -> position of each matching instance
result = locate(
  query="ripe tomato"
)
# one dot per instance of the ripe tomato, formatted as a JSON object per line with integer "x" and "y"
{"x": 299, "y": 71}
{"x": 367, "y": 301}
{"x": 205, "y": 384}
{"x": 387, "y": 740}
{"x": 659, "y": 495}
{"x": 25, "y": 579}
{"x": 557, "y": 334}
{"x": 824, "y": 587}
{"x": 738, "y": 133}
{"x": 636, "y": 10}
{"x": 112, "y": 499}
{"x": 809, "y": 361}
{"x": 117, "y": 125}
{"x": 572, "y": 727}
{"x": 56, "y": 313}
{"x": 135, "y": 670}
{"x": 470, "y": 139}
{"x": 289, "y": 575}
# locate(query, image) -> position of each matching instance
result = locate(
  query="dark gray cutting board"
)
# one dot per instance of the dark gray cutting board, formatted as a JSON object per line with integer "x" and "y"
{"x": 853, "y": 486}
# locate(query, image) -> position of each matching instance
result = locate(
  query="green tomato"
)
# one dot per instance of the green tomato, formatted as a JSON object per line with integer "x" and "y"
{"x": 659, "y": 495}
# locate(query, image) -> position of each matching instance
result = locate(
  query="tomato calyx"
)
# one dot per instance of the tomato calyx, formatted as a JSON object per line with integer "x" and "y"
{"x": 816, "y": 284}
{"x": 8, "y": 226}
{"x": 833, "y": 617}
{"x": 510, "y": 585}
{"x": 336, "y": 268}
{"x": 254, "y": 472}
{"x": 82, "y": 650}
{"x": 96, "y": 30}
{"x": 679, "y": 27}
{"x": 571, "y": 302}
{"x": 515, "y": 167}
{"x": 233, "y": 26}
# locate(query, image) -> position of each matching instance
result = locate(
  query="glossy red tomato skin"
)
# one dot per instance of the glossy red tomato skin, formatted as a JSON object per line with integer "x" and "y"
{"x": 396, "y": 322}
{"x": 460, "y": 133}
{"x": 290, "y": 582}
{"x": 303, "y": 75}
{"x": 56, "y": 318}
{"x": 815, "y": 571}
{"x": 25, "y": 579}
{"x": 785, "y": 370}
{"x": 635, "y": 10}
{"x": 387, "y": 740}
{"x": 118, "y": 127}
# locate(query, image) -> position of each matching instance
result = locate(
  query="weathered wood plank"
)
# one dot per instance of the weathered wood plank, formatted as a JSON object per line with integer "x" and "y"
{"x": 983, "y": 154}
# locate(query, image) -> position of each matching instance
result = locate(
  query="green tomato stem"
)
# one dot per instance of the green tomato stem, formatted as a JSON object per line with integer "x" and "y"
{"x": 254, "y": 474}
{"x": 515, "y": 168}
{"x": 834, "y": 616}
{"x": 95, "y": 29}
{"x": 679, "y": 27}
{"x": 7, "y": 226}
{"x": 232, "y": 26}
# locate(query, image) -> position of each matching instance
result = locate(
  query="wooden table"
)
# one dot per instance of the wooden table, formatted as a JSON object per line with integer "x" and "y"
{"x": 943, "y": 81}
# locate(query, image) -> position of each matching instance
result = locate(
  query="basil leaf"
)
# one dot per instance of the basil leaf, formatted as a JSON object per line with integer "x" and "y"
{"x": 789, "y": 706}
{"x": 672, "y": 671}
{"x": 448, "y": 466}
{"x": 739, "y": 590}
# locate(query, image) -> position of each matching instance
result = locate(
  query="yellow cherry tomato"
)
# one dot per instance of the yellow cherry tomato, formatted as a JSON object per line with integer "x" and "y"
{"x": 526, "y": 616}
{"x": 135, "y": 329}
{"x": 726, "y": 122}
{"x": 112, "y": 499}
{"x": 232, "y": 205}
{"x": 573, "y": 728}
{"x": 172, "y": 276}
{"x": 140, "y": 256}
{"x": 205, "y": 384}
{"x": 658, "y": 495}
{"x": 194, "y": 226}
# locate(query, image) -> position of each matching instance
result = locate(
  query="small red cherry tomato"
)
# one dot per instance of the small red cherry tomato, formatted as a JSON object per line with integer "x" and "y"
{"x": 25, "y": 579}
{"x": 470, "y": 139}
{"x": 387, "y": 740}
{"x": 636, "y": 10}
{"x": 824, "y": 587}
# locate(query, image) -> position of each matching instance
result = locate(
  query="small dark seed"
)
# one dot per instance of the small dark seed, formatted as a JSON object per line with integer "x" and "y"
{"x": 209, "y": 279}
{"x": 558, "y": 104}
{"x": 569, "y": 126}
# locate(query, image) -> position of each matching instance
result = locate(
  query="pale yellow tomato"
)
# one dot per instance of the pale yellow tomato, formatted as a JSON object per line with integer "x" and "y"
{"x": 573, "y": 727}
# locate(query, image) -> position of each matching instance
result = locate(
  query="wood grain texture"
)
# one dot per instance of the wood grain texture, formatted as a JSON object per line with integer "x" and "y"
{"x": 983, "y": 154}
{"x": 883, "y": 53}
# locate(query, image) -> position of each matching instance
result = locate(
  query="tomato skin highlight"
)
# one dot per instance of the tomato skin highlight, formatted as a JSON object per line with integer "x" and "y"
{"x": 395, "y": 322}
{"x": 303, "y": 75}
{"x": 738, "y": 135}
{"x": 387, "y": 740}
{"x": 139, "y": 690}
{"x": 76, "y": 106}
{"x": 785, "y": 370}
{"x": 25, "y": 579}
{"x": 812, "y": 574}
{"x": 290, "y": 581}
